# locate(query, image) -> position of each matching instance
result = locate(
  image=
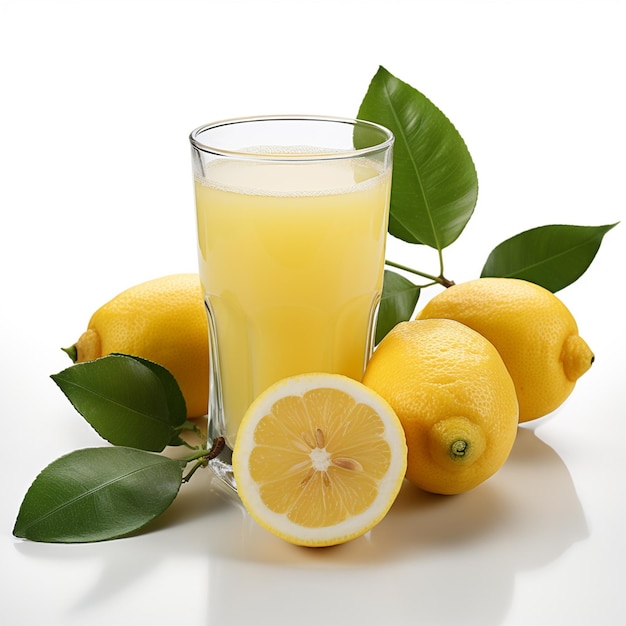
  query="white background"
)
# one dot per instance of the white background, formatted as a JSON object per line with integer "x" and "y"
{"x": 98, "y": 98}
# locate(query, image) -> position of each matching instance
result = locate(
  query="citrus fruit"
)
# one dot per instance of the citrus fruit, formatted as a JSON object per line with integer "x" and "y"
{"x": 454, "y": 397}
{"x": 319, "y": 459}
{"x": 162, "y": 320}
{"x": 533, "y": 331}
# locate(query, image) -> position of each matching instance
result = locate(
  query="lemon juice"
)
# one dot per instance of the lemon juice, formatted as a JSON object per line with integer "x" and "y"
{"x": 291, "y": 259}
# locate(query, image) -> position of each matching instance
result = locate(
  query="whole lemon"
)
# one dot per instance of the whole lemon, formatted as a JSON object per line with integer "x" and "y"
{"x": 162, "y": 320}
{"x": 533, "y": 331}
{"x": 455, "y": 400}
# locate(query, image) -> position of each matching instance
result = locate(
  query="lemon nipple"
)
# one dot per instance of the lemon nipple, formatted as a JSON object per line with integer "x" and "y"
{"x": 576, "y": 356}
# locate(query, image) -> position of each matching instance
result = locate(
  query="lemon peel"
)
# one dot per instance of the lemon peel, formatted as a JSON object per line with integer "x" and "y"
{"x": 88, "y": 347}
{"x": 532, "y": 329}
{"x": 456, "y": 438}
{"x": 162, "y": 320}
{"x": 455, "y": 400}
{"x": 577, "y": 357}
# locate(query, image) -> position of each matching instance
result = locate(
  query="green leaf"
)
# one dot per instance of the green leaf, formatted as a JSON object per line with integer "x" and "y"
{"x": 397, "y": 303}
{"x": 177, "y": 407}
{"x": 97, "y": 494}
{"x": 434, "y": 186}
{"x": 552, "y": 256}
{"x": 129, "y": 401}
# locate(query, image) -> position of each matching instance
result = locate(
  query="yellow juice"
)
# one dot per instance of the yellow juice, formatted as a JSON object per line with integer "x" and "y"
{"x": 291, "y": 261}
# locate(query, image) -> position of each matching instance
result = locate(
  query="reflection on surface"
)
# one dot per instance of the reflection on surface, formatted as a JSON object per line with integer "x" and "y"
{"x": 530, "y": 506}
{"x": 435, "y": 560}
{"x": 108, "y": 571}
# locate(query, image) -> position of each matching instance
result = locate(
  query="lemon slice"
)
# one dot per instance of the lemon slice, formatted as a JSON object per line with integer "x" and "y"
{"x": 319, "y": 459}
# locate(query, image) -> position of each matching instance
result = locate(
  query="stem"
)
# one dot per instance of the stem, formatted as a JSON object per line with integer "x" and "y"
{"x": 72, "y": 352}
{"x": 190, "y": 426}
{"x": 458, "y": 448}
{"x": 202, "y": 458}
{"x": 208, "y": 455}
{"x": 192, "y": 471}
{"x": 194, "y": 428}
{"x": 441, "y": 279}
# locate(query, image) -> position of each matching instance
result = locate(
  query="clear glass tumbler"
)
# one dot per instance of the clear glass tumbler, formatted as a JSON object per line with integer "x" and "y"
{"x": 292, "y": 215}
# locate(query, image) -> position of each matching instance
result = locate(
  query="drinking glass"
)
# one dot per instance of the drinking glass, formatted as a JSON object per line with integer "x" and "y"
{"x": 292, "y": 215}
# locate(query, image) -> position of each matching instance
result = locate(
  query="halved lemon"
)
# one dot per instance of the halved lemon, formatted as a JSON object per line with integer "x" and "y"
{"x": 319, "y": 459}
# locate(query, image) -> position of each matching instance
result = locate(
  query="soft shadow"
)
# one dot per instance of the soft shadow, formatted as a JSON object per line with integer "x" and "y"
{"x": 436, "y": 560}
{"x": 182, "y": 532}
{"x": 531, "y": 504}
{"x": 428, "y": 550}
{"x": 473, "y": 546}
{"x": 528, "y": 510}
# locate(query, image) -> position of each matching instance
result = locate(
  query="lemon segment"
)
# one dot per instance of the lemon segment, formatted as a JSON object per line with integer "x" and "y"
{"x": 319, "y": 459}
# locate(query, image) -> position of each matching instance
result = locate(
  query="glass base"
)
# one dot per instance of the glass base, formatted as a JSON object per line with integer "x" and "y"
{"x": 222, "y": 467}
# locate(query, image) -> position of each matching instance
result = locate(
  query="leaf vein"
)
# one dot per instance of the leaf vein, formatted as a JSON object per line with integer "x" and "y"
{"x": 117, "y": 403}
{"x": 415, "y": 167}
{"x": 551, "y": 257}
{"x": 84, "y": 495}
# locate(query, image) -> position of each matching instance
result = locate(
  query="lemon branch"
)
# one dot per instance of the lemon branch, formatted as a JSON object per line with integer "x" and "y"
{"x": 203, "y": 457}
{"x": 441, "y": 279}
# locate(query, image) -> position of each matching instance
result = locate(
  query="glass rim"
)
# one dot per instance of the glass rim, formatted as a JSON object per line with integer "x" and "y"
{"x": 386, "y": 143}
